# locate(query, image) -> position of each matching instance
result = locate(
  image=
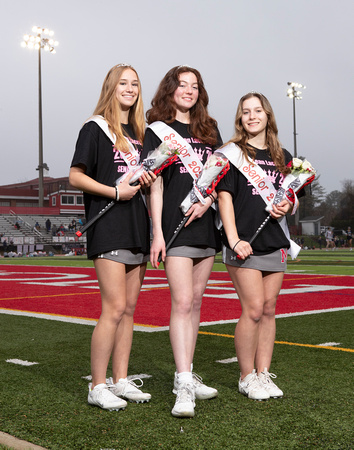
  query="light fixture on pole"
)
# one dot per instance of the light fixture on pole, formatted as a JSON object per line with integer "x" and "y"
{"x": 42, "y": 38}
{"x": 294, "y": 93}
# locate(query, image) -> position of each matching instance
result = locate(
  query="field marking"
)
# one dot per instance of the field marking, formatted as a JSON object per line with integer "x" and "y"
{"x": 227, "y": 361}
{"x": 85, "y": 280}
{"x": 298, "y": 271}
{"x": 21, "y": 362}
{"x": 327, "y": 347}
{"x": 142, "y": 376}
{"x": 48, "y": 296}
{"x": 329, "y": 343}
{"x": 213, "y": 283}
{"x": 302, "y": 289}
{"x": 152, "y": 328}
{"x": 317, "y": 346}
{"x": 279, "y": 316}
{"x": 57, "y": 317}
{"x": 76, "y": 320}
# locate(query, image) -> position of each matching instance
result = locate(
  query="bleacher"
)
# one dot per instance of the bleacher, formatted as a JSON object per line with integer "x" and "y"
{"x": 27, "y": 233}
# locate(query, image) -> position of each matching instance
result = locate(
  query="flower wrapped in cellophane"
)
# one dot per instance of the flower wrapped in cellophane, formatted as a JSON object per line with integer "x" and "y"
{"x": 302, "y": 174}
{"x": 164, "y": 155}
{"x": 213, "y": 170}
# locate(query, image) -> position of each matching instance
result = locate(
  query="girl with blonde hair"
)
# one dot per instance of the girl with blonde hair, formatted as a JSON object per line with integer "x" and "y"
{"x": 108, "y": 144}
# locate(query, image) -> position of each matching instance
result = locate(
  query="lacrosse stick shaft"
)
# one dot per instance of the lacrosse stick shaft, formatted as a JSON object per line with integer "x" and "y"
{"x": 175, "y": 234}
{"x": 94, "y": 219}
{"x": 109, "y": 206}
{"x": 260, "y": 228}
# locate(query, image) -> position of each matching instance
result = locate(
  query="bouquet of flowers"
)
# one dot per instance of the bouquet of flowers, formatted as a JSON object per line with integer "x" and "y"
{"x": 213, "y": 170}
{"x": 302, "y": 174}
{"x": 164, "y": 155}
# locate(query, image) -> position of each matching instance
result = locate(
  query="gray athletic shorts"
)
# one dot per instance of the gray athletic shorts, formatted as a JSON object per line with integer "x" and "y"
{"x": 191, "y": 252}
{"x": 272, "y": 262}
{"x": 125, "y": 256}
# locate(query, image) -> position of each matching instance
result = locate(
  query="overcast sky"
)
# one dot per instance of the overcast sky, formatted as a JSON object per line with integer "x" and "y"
{"x": 237, "y": 45}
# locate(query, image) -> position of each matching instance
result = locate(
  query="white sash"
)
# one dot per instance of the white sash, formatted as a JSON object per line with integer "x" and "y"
{"x": 261, "y": 182}
{"x": 254, "y": 174}
{"x": 132, "y": 157}
{"x": 185, "y": 151}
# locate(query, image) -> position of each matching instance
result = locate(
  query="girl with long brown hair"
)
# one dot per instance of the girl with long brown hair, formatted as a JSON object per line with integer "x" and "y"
{"x": 256, "y": 270}
{"x": 179, "y": 107}
{"x": 119, "y": 241}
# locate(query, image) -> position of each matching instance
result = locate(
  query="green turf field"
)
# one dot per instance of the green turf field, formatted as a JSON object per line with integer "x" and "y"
{"x": 46, "y": 403}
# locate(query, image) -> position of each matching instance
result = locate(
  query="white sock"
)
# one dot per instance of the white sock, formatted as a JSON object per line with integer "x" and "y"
{"x": 185, "y": 377}
{"x": 122, "y": 380}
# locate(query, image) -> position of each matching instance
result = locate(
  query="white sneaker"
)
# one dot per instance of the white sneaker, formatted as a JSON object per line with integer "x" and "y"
{"x": 185, "y": 401}
{"x": 252, "y": 387}
{"x": 201, "y": 390}
{"x": 128, "y": 389}
{"x": 102, "y": 397}
{"x": 266, "y": 379}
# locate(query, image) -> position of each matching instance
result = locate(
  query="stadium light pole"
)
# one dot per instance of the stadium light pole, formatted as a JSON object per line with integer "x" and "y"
{"x": 41, "y": 39}
{"x": 294, "y": 93}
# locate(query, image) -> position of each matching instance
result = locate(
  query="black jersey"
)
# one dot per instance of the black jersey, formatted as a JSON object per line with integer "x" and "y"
{"x": 250, "y": 207}
{"x": 126, "y": 225}
{"x": 177, "y": 183}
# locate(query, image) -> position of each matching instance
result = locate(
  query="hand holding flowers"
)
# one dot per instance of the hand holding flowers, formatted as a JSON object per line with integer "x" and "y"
{"x": 302, "y": 174}
{"x": 213, "y": 170}
{"x": 156, "y": 160}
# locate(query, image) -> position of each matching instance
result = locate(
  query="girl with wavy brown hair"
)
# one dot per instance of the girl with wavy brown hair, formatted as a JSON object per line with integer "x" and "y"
{"x": 256, "y": 271}
{"x": 119, "y": 241}
{"x": 181, "y": 103}
{"x": 272, "y": 142}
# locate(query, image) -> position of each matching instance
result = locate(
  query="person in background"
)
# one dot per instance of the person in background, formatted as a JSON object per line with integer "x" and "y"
{"x": 118, "y": 242}
{"x": 181, "y": 104}
{"x": 54, "y": 230}
{"x": 319, "y": 240}
{"x": 329, "y": 239}
{"x": 336, "y": 242}
{"x": 4, "y": 245}
{"x": 349, "y": 238}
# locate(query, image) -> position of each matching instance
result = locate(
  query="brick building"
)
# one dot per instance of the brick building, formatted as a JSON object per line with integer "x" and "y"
{"x": 60, "y": 198}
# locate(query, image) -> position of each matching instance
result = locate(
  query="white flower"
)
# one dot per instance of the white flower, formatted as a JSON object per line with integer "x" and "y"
{"x": 297, "y": 163}
{"x": 307, "y": 166}
{"x": 167, "y": 147}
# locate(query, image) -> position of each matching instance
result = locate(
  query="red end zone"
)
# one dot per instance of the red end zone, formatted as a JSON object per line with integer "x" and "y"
{"x": 73, "y": 292}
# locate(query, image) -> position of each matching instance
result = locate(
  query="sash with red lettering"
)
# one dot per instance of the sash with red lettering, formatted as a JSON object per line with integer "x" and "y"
{"x": 185, "y": 151}
{"x": 261, "y": 182}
